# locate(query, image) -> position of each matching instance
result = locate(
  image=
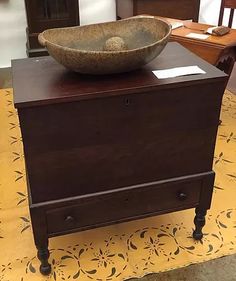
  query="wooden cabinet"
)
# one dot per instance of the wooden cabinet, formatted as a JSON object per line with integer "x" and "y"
{"x": 112, "y": 148}
{"x": 45, "y": 14}
{"x": 181, "y": 9}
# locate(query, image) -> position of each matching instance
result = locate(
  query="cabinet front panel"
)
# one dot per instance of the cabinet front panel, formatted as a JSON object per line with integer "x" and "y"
{"x": 84, "y": 147}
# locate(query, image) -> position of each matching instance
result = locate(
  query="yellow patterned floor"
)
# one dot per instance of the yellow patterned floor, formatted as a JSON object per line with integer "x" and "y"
{"x": 120, "y": 251}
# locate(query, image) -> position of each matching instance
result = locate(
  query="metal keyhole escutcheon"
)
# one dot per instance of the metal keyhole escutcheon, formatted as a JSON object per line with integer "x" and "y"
{"x": 127, "y": 101}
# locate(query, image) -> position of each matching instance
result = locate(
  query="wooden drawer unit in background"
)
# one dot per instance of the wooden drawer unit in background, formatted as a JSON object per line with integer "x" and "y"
{"x": 106, "y": 149}
{"x": 181, "y": 9}
{"x": 46, "y": 14}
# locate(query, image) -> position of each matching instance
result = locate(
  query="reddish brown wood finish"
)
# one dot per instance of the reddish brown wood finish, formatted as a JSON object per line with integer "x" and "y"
{"x": 51, "y": 83}
{"x": 182, "y": 9}
{"x": 128, "y": 146}
{"x": 113, "y": 146}
{"x": 148, "y": 199}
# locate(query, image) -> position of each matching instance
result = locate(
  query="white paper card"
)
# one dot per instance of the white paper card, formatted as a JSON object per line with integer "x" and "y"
{"x": 175, "y": 25}
{"x": 210, "y": 29}
{"x": 197, "y": 36}
{"x": 178, "y": 71}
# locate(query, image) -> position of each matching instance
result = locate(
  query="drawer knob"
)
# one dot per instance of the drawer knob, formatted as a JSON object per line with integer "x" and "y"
{"x": 182, "y": 196}
{"x": 69, "y": 219}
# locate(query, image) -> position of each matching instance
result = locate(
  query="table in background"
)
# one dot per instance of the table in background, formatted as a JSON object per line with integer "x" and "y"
{"x": 217, "y": 50}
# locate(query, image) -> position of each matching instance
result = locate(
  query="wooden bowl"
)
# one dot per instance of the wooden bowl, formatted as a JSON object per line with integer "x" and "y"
{"x": 106, "y": 48}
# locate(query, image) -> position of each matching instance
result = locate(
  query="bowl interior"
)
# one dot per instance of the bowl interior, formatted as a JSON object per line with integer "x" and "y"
{"x": 134, "y": 32}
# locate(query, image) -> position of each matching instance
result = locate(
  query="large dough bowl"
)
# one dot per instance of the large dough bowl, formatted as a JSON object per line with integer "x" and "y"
{"x": 89, "y": 49}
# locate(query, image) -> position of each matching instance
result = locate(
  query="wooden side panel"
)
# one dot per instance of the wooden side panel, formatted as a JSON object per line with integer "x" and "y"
{"x": 210, "y": 53}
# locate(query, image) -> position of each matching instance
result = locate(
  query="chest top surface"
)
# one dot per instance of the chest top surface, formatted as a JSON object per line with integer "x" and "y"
{"x": 41, "y": 81}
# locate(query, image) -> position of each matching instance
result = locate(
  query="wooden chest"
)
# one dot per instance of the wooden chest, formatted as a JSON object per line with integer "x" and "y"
{"x": 105, "y": 149}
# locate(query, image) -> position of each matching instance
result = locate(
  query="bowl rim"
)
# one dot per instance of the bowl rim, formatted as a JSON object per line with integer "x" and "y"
{"x": 45, "y": 42}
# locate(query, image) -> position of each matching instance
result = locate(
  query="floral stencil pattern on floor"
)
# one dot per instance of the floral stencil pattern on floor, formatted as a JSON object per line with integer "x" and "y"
{"x": 120, "y": 251}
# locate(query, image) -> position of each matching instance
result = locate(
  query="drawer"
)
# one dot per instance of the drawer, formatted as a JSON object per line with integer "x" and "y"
{"x": 131, "y": 203}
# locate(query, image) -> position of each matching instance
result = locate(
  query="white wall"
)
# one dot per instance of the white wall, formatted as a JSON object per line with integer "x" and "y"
{"x": 209, "y": 13}
{"x": 12, "y": 31}
{"x": 13, "y": 21}
{"x": 95, "y": 11}
{"x": 13, "y": 24}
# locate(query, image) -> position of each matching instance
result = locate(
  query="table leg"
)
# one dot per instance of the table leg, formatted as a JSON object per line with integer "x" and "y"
{"x": 39, "y": 226}
{"x": 199, "y": 222}
{"x": 43, "y": 256}
{"x": 226, "y": 62}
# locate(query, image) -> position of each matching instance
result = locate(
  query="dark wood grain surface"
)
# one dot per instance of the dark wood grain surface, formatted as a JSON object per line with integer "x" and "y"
{"x": 48, "y": 82}
{"x": 94, "y": 144}
{"x": 106, "y": 149}
{"x": 147, "y": 199}
{"x": 102, "y": 144}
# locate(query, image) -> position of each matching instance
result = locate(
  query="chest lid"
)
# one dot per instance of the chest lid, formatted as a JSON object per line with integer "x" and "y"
{"x": 42, "y": 81}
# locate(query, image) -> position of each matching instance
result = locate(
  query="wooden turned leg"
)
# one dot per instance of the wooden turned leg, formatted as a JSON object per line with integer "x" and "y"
{"x": 43, "y": 255}
{"x": 199, "y": 222}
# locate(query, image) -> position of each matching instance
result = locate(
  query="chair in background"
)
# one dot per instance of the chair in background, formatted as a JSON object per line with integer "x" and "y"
{"x": 227, "y": 4}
